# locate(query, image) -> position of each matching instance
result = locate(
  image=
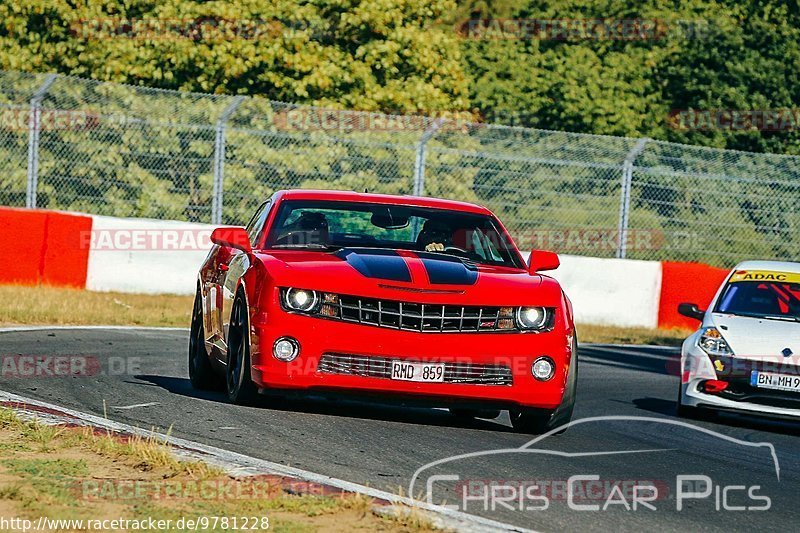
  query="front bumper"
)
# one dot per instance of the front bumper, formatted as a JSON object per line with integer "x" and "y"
{"x": 698, "y": 367}
{"x": 317, "y": 337}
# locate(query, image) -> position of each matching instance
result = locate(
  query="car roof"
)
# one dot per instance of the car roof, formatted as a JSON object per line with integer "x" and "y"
{"x": 773, "y": 266}
{"x": 350, "y": 196}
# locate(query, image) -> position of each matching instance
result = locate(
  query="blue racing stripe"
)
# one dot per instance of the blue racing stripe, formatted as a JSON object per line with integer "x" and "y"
{"x": 379, "y": 264}
{"x": 443, "y": 270}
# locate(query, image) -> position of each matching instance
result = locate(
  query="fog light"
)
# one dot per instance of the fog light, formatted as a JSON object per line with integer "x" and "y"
{"x": 285, "y": 349}
{"x": 543, "y": 368}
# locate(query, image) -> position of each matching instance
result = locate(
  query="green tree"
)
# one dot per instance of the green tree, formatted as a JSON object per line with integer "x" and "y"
{"x": 706, "y": 54}
{"x": 378, "y": 55}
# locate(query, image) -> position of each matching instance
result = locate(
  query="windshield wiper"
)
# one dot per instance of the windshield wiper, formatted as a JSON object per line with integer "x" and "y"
{"x": 785, "y": 318}
{"x": 309, "y": 246}
{"x": 788, "y": 318}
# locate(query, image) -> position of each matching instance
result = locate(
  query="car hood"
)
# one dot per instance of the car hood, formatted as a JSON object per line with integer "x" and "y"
{"x": 406, "y": 275}
{"x": 756, "y": 338}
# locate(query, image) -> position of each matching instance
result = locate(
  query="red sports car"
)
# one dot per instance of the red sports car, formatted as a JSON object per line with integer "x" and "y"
{"x": 414, "y": 298}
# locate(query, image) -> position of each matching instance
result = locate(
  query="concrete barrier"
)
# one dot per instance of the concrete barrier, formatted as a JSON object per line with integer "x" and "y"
{"x": 687, "y": 282}
{"x": 146, "y": 256}
{"x": 162, "y": 257}
{"x": 43, "y": 247}
{"x": 613, "y": 292}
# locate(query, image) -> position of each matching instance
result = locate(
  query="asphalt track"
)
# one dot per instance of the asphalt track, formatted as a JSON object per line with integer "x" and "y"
{"x": 139, "y": 377}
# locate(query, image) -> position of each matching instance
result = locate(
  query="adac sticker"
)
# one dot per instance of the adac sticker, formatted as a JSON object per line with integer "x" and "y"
{"x": 765, "y": 275}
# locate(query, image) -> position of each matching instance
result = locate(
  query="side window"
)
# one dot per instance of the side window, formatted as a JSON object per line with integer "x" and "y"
{"x": 256, "y": 224}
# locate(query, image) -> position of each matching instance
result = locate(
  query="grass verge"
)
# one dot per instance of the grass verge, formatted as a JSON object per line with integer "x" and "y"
{"x": 42, "y": 305}
{"x": 80, "y": 474}
{"x": 48, "y": 306}
{"x": 616, "y": 335}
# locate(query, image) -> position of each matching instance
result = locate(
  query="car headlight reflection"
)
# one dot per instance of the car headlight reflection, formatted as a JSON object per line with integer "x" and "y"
{"x": 712, "y": 342}
{"x": 301, "y": 300}
{"x": 532, "y": 317}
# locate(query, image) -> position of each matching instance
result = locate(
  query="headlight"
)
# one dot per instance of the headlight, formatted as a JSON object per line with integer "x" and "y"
{"x": 301, "y": 300}
{"x": 712, "y": 343}
{"x": 532, "y": 317}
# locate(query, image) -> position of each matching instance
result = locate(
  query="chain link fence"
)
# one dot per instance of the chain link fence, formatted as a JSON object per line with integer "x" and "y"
{"x": 112, "y": 149}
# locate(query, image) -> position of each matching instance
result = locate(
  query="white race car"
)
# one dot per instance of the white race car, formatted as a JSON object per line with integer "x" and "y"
{"x": 746, "y": 355}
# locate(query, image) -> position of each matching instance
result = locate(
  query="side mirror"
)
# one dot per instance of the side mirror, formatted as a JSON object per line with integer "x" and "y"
{"x": 541, "y": 260}
{"x": 232, "y": 237}
{"x": 691, "y": 310}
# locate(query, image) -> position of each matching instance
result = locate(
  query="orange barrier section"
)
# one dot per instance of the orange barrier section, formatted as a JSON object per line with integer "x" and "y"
{"x": 686, "y": 282}
{"x": 44, "y": 247}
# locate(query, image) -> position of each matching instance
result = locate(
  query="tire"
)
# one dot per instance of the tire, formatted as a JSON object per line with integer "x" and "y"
{"x": 240, "y": 387}
{"x": 690, "y": 412}
{"x": 538, "y": 421}
{"x": 201, "y": 374}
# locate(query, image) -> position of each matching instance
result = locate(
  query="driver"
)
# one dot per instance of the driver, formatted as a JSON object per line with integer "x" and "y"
{"x": 435, "y": 236}
{"x": 310, "y": 228}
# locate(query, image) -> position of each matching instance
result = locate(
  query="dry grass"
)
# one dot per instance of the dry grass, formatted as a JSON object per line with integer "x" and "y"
{"x": 149, "y": 453}
{"x": 54, "y": 306}
{"x": 615, "y": 335}
{"x": 62, "y": 482}
{"x": 44, "y": 305}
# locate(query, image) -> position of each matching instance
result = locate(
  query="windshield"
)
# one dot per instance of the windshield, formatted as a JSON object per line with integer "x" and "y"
{"x": 307, "y": 224}
{"x": 771, "y": 295}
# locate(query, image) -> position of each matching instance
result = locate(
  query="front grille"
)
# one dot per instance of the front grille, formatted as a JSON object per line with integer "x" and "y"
{"x": 381, "y": 367}
{"x": 423, "y": 317}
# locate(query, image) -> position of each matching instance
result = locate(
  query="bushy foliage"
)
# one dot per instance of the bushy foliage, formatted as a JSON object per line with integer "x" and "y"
{"x": 383, "y": 54}
{"x": 704, "y": 55}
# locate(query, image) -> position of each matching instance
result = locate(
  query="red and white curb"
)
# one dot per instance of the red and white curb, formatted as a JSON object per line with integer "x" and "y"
{"x": 293, "y": 480}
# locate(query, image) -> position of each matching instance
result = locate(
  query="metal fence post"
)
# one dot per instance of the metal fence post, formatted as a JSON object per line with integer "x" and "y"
{"x": 34, "y": 126}
{"x": 419, "y": 162}
{"x": 625, "y": 197}
{"x": 219, "y": 160}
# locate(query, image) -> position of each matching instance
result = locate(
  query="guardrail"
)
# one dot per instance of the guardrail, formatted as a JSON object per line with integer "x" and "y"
{"x": 135, "y": 255}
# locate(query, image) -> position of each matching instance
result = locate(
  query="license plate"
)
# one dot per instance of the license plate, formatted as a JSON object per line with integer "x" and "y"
{"x": 422, "y": 372}
{"x": 769, "y": 380}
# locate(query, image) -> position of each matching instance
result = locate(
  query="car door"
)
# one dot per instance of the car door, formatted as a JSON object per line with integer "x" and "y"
{"x": 234, "y": 269}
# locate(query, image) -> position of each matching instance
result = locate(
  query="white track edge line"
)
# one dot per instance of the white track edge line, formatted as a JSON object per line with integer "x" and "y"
{"x": 452, "y": 519}
{"x": 14, "y": 329}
